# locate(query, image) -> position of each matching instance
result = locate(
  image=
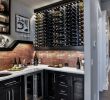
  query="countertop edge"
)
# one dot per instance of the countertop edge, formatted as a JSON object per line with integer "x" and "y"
{"x": 32, "y": 69}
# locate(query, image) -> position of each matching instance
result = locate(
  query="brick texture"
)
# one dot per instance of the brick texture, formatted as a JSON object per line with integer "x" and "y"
{"x": 24, "y": 51}
{"x": 60, "y": 57}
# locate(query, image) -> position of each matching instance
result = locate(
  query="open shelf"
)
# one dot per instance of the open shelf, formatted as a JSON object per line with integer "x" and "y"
{"x": 5, "y": 33}
{"x": 5, "y": 17}
{"x": 4, "y": 23}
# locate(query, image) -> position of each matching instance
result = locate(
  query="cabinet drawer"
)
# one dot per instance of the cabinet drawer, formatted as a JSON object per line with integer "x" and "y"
{"x": 63, "y": 80}
{"x": 65, "y": 90}
{"x": 10, "y": 82}
{"x": 63, "y": 97}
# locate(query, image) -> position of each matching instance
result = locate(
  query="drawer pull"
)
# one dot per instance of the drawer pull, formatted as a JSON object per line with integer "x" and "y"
{"x": 63, "y": 94}
{"x": 12, "y": 94}
{"x": 62, "y": 91}
{"x": 9, "y": 95}
{"x": 11, "y": 83}
{"x": 62, "y": 83}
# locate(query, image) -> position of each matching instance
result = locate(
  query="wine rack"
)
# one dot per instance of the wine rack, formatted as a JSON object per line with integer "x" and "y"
{"x": 60, "y": 26}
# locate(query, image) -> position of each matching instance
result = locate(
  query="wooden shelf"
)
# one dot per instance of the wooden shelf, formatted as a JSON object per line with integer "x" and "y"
{"x": 4, "y": 23}
{"x": 5, "y": 13}
{"x": 4, "y": 33}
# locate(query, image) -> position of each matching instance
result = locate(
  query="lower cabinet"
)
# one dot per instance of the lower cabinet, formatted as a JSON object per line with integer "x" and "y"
{"x": 49, "y": 85}
{"x": 34, "y": 86}
{"x": 78, "y": 87}
{"x": 43, "y": 85}
{"x": 63, "y": 86}
{"x": 4, "y": 94}
{"x": 12, "y": 89}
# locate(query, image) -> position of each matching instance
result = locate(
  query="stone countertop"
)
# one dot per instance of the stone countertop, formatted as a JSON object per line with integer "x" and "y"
{"x": 31, "y": 69}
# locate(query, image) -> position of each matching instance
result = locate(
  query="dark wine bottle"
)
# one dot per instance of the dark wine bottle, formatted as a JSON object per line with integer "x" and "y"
{"x": 78, "y": 63}
{"x": 15, "y": 62}
{"x": 35, "y": 59}
{"x": 19, "y": 60}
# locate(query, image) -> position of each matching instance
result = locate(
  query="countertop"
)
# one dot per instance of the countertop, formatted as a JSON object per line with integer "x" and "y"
{"x": 32, "y": 68}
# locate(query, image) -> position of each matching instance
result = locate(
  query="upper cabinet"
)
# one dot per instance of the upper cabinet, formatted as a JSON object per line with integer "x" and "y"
{"x": 5, "y": 16}
{"x": 60, "y": 26}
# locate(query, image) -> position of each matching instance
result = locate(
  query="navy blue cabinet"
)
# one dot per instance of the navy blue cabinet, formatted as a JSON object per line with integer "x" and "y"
{"x": 63, "y": 86}
{"x": 12, "y": 89}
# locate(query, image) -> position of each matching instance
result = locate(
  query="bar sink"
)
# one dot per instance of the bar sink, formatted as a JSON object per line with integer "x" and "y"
{"x": 3, "y": 74}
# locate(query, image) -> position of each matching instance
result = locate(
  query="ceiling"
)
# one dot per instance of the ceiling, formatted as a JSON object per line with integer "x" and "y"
{"x": 37, "y": 3}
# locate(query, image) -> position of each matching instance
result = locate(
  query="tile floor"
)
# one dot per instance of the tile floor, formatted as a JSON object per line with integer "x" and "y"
{"x": 105, "y": 95}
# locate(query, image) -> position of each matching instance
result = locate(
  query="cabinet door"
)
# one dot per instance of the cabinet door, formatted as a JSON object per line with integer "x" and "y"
{"x": 39, "y": 84}
{"x": 78, "y": 88}
{"x": 16, "y": 92}
{"x": 29, "y": 83}
{"x": 63, "y": 83}
{"x": 50, "y": 87}
{"x": 4, "y": 94}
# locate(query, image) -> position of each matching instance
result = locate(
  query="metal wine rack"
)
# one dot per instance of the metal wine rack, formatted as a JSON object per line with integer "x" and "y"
{"x": 60, "y": 26}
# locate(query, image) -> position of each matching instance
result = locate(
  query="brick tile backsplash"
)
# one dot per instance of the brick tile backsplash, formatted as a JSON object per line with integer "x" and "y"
{"x": 26, "y": 51}
{"x": 60, "y": 57}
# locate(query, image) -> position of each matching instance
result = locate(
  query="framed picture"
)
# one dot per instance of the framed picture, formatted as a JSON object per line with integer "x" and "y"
{"x": 22, "y": 24}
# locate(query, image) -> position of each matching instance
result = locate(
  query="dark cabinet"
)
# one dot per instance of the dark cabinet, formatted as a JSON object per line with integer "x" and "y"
{"x": 63, "y": 86}
{"x": 16, "y": 92}
{"x": 78, "y": 87}
{"x": 57, "y": 86}
{"x": 49, "y": 88}
{"x": 34, "y": 86}
{"x": 29, "y": 86}
{"x": 12, "y": 89}
{"x": 44, "y": 85}
{"x": 4, "y": 94}
{"x": 40, "y": 85}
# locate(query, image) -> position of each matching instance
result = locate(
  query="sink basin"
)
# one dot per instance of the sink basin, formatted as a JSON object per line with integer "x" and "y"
{"x": 5, "y": 74}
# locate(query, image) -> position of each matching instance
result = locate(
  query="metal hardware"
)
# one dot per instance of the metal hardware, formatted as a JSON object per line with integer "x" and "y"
{"x": 62, "y": 91}
{"x": 25, "y": 80}
{"x": 63, "y": 94}
{"x": 35, "y": 87}
{"x": 11, "y": 83}
{"x": 62, "y": 83}
{"x": 62, "y": 76}
{"x": 9, "y": 95}
{"x": 12, "y": 94}
{"x": 54, "y": 78}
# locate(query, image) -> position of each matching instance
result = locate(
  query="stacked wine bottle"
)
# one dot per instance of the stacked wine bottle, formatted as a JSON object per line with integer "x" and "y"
{"x": 58, "y": 27}
{"x": 61, "y": 26}
{"x": 39, "y": 35}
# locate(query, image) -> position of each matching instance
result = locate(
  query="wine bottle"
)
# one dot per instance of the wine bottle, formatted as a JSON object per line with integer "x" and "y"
{"x": 15, "y": 62}
{"x": 35, "y": 59}
{"x": 19, "y": 62}
{"x": 78, "y": 63}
